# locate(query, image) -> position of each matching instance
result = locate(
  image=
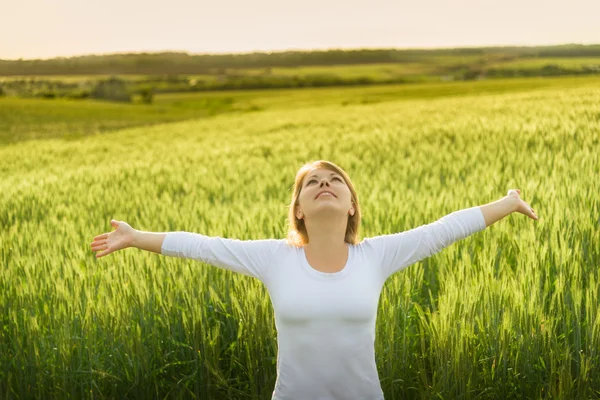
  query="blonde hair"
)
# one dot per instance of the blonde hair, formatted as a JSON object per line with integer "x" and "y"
{"x": 297, "y": 234}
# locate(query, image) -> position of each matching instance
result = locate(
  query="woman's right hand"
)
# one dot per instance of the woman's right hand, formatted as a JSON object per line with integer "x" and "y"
{"x": 118, "y": 239}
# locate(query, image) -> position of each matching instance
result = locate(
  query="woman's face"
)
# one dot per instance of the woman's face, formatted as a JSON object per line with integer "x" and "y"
{"x": 317, "y": 181}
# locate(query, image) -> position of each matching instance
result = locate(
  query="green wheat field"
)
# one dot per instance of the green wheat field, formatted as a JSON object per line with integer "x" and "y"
{"x": 508, "y": 313}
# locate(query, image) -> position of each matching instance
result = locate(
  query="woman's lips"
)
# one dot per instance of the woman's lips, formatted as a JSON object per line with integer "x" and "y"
{"x": 323, "y": 194}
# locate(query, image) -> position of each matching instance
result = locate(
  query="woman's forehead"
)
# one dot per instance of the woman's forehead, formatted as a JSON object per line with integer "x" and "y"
{"x": 321, "y": 171}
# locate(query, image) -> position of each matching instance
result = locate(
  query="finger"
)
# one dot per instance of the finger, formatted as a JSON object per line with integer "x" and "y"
{"x": 103, "y": 236}
{"x": 99, "y": 247}
{"x": 102, "y": 253}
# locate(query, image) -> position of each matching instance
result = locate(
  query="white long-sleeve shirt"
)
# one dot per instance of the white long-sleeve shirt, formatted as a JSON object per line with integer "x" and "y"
{"x": 326, "y": 321}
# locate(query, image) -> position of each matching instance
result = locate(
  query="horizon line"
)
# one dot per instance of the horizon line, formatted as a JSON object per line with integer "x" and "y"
{"x": 299, "y": 50}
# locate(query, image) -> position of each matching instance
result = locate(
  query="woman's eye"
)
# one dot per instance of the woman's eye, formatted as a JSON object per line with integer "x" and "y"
{"x": 312, "y": 180}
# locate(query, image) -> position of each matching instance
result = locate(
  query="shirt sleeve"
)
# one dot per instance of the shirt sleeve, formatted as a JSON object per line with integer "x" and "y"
{"x": 399, "y": 250}
{"x": 247, "y": 257}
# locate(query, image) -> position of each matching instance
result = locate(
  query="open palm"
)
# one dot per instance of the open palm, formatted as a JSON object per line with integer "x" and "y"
{"x": 118, "y": 239}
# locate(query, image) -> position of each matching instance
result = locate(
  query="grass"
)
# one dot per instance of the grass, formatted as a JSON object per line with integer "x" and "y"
{"x": 511, "y": 312}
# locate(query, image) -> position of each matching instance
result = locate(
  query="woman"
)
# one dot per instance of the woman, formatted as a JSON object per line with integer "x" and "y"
{"x": 323, "y": 283}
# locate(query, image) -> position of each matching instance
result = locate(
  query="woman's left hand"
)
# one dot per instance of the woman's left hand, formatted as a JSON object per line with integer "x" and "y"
{"x": 521, "y": 206}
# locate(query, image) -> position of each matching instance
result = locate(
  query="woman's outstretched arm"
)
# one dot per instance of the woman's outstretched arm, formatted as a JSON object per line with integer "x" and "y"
{"x": 249, "y": 257}
{"x": 398, "y": 250}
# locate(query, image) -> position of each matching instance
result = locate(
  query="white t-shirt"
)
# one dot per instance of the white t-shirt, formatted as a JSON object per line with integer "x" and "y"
{"x": 326, "y": 321}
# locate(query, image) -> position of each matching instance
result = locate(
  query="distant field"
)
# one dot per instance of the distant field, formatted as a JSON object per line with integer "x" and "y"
{"x": 375, "y": 71}
{"x": 298, "y": 98}
{"x": 26, "y": 119}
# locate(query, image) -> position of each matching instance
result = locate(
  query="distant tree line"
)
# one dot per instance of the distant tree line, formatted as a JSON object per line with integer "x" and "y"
{"x": 175, "y": 63}
{"x": 111, "y": 89}
{"x": 124, "y": 90}
{"x": 546, "y": 70}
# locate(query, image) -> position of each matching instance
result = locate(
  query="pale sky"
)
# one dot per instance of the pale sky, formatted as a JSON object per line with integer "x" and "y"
{"x": 51, "y": 28}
